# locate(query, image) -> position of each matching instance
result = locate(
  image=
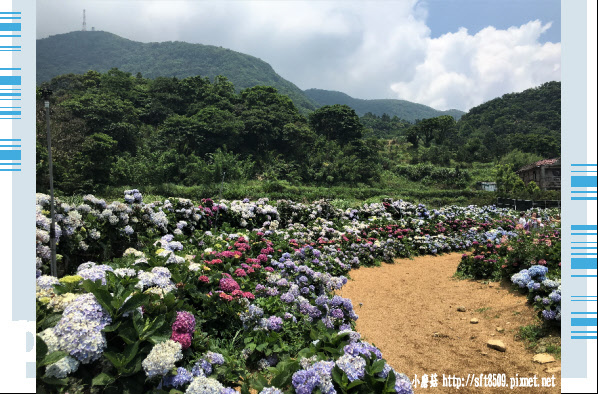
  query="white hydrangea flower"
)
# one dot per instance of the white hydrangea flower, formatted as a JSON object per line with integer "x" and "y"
{"x": 203, "y": 385}
{"x": 162, "y": 358}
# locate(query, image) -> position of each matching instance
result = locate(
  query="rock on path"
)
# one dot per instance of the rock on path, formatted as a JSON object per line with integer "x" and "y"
{"x": 408, "y": 310}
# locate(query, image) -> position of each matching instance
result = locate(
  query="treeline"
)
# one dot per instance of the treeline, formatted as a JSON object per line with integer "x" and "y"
{"x": 114, "y": 129}
{"x": 528, "y": 122}
{"x": 117, "y": 129}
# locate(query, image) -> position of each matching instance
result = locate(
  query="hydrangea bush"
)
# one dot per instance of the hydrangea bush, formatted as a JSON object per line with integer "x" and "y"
{"x": 202, "y": 298}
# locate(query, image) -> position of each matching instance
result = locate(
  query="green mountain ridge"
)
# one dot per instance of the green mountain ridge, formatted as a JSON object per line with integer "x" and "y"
{"x": 401, "y": 108}
{"x": 78, "y": 52}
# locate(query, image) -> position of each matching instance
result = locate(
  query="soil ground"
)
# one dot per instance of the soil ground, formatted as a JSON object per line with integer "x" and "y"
{"x": 409, "y": 311}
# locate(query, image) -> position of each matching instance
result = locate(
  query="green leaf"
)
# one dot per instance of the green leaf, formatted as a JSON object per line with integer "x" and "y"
{"x": 355, "y": 383}
{"x": 138, "y": 322}
{"x": 158, "y": 338}
{"x": 153, "y": 325}
{"x": 112, "y": 327}
{"x": 40, "y": 349}
{"x": 281, "y": 379}
{"x": 313, "y": 335}
{"x": 53, "y": 358}
{"x": 390, "y": 382}
{"x": 134, "y": 302}
{"x": 377, "y": 367}
{"x": 102, "y": 295}
{"x": 130, "y": 352}
{"x": 55, "y": 382}
{"x": 128, "y": 334}
{"x": 115, "y": 359}
{"x": 337, "y": 375}
{"x": 331, "y": 349}
{"x": 102, "y": 379}
{"x": 260, "y": 383}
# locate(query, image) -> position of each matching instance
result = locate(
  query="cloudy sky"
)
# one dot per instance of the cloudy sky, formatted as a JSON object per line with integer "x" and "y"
{"x": 442, "y": 53}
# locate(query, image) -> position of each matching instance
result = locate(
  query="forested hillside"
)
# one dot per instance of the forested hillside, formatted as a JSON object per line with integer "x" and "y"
{"x": 114, "y": 129}
{"x": 529, "y": 121}
{"x": 400, "y": 108}
{"x": 78, "y": 52}
{"x": 119, "y": 129}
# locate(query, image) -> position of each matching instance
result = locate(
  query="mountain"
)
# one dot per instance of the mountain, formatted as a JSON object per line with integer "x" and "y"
{"x": 403, "y": 109}
{"x": 529, "y": 121}
{"x": 80, "y": 51}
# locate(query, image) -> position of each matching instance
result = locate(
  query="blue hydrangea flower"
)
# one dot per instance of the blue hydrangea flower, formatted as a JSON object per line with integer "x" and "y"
{"x": 270, "y": 390}
{"x": 274, "y": 323}
{"x": 353, "y": 366}
{"x": 305, "y": 381}
{"x": 215, "y": 358}
{"x": 79, "y": 331}
{"x": 181, "y": 378}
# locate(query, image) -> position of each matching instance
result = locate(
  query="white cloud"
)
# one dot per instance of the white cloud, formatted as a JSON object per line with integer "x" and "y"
{"x": 462, "y": 70}
{"x": 367, "y": 49}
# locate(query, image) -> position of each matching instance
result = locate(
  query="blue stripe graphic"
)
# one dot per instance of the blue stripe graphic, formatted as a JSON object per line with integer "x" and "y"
{"x": 10, "y": 154}
{"x": 583, "y": 181}
{"x": 10, "y": 27}
{"x": 10, "y": 80}
{"x": 584, "y": 227}
{"x": 583, "y": 322}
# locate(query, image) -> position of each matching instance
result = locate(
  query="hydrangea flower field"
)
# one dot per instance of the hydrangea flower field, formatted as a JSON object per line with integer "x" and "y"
{"x": 176, "y": 296}
{"x": 531, "y": 261}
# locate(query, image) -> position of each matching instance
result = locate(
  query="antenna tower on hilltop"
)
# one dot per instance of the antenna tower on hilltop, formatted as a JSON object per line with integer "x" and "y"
{"x": 84, "y": 23}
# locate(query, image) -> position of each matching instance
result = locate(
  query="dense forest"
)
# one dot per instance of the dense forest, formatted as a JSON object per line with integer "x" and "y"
{"x": 80, "y": 51}
{"x": 400, "y": 108}
{"x": 116, "y": 129}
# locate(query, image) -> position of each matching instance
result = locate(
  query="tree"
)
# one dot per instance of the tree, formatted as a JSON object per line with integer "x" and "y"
{"x": 337, "y": 122}
{"x": 96, "y": 160}
{"x": 507, "y": 181}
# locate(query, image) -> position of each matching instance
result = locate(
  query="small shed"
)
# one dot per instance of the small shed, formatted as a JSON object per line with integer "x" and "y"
{"x": 546, "y": 173}
{"x": 487, "y": 186}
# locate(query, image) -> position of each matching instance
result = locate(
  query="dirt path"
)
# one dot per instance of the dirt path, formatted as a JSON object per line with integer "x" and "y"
{"x": 409, "y": 310}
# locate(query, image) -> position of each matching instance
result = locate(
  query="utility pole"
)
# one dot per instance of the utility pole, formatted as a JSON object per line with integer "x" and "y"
{"x": 46, "y": 93}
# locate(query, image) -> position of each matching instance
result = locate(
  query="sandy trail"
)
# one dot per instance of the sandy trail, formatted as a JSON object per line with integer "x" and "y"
{"x": 409, "y": 310}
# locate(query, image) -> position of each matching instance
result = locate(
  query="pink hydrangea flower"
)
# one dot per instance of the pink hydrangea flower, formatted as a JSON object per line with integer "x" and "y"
{"x": 204, "y": 279}
{"x": 229, "y": 285}
{"x": 184, "y": 338}
{"x": 184, "y": 323}
{"x": 240, "y": 272}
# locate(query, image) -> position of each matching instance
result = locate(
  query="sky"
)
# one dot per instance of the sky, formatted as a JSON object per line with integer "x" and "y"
{"x": 441, "y": 53}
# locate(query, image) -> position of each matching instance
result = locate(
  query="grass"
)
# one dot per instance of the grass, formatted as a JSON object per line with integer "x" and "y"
{"x": 483, "y": 309}
{"x": 341, "y": 196}
{"x": 541, "y": 339}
